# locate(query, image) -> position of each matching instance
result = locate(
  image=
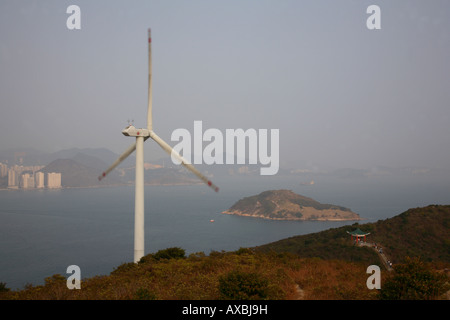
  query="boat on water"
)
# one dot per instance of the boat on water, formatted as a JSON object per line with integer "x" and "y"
{"x": 310, "y": 183}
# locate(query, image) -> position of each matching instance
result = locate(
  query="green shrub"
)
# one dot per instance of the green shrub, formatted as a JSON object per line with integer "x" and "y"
{"x": 144, "y": 294}
{"x": 243, "y": 251}
{"x": 145, "y": 259}
{"x": 55, "y": 279}
{"x": 237, "y": 285}
{"x": 124, "y": 268}
{"x": 3, "y": 287}
{"x": 414, "y": 280}
{"x": 170, "y": 253}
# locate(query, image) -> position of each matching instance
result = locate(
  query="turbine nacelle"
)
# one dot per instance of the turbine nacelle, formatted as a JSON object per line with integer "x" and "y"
{"x": 131, "y": 131}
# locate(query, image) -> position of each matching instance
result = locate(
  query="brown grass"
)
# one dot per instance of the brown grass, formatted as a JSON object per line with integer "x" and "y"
{"x": 197, "y": 278}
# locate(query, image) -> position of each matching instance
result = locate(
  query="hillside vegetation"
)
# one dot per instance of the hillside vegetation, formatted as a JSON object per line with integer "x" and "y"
{"x": 323, "y": 265}
{"x": 420, "y": 232}
{"x": 242, "y": 274}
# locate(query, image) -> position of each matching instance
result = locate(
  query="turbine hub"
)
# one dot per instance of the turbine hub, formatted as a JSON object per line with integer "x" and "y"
{"x": 131, "y": 131}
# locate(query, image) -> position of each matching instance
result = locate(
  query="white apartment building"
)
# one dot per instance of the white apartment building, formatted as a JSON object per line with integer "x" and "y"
{"x": 27, "y": 181}
{"x": 3, "y": 170}
{"x": 53, "y": 180}
{"x": 13, "y": 179}
{"x": 39, "y": 180}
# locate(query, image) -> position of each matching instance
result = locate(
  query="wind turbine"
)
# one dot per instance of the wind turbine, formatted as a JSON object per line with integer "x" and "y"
{"x": 142, "y": 135}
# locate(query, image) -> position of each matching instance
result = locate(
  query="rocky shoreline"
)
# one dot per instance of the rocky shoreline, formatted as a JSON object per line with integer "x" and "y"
{"x": 238, "y": 213}
{"x": 286, "y": 205}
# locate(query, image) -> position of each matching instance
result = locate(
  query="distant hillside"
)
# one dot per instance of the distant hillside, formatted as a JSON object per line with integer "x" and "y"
{"x": 32, "y": 157}
{"x": 170, "y": 176}
{"x": 423, "y": 232}
{"x": 286, "y": 205}
{"x": 74, "y": 174}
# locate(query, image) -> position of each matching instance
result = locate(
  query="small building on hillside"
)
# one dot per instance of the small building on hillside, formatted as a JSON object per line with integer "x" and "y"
{"x": 358, "y": 234}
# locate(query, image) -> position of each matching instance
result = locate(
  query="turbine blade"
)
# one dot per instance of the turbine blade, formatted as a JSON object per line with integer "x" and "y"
{"x": 149, "y": 111}
{"x": 184, "y": 162}
{"x": 122, "y": 157}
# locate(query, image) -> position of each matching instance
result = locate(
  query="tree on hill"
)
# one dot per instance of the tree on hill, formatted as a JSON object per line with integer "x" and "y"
{"x": 414, "y": 280}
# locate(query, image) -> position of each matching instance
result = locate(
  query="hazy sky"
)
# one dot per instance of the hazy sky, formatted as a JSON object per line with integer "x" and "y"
{"x": 340, "y": 94}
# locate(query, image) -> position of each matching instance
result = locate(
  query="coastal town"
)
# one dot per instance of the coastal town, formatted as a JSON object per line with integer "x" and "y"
{"x": 28, "y": 177}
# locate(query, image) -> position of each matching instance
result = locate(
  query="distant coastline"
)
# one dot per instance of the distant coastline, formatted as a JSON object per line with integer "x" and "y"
{"x": 237, "y": 213}
{"x": 102, "y": 186}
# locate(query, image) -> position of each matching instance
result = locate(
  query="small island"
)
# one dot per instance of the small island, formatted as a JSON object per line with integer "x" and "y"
{"x": 287, "y": 205}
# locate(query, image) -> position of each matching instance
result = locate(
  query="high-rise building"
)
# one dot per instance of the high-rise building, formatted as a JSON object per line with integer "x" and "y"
{"x": 23, "y": 181}
{"x": 3, "y": 170}
{"x": 27, "y": 181}
{"x": 31, "y": 181}
{"x": 53, "y": 180}
{"x": 39, "y": 178}
{"x": 12, "y": 178}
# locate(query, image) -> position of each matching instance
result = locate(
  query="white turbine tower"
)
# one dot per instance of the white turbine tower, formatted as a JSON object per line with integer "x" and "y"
{"x": 142, "y": 135}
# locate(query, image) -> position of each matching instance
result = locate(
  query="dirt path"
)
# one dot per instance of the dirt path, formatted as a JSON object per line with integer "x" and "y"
{"x": 383, "y": 257}
{"x": 300, "y": 293}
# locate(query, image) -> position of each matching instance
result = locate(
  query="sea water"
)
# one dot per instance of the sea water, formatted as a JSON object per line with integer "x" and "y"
{"x": 42, "y": 232}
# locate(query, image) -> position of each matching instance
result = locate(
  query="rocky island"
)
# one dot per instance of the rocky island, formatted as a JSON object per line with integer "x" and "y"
{"x": 287, "y": 205}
